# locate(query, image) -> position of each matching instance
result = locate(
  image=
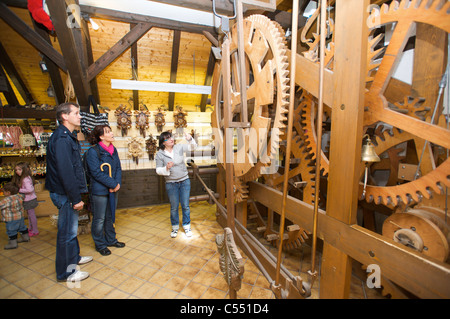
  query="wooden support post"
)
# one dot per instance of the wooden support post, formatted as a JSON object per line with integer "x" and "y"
{"x": 228, "y": 142}
{"x": 351, "y": 35}
{"x": 174, "y": 66}
{"x": 58, "y": 11}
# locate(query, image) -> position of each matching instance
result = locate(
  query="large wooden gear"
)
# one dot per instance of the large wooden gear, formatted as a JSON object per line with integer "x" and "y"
{"x": 267, "y": 92}
{"x": 396, "y": 126}
{"x": 432, "y": 179}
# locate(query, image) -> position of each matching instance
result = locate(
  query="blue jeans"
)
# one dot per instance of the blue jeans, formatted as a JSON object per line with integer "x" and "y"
{"x": 179, "y": 193}
{"x": 67, "y": 246}
{"x": 102, "y": 230}
{"x": 15, "y": 226}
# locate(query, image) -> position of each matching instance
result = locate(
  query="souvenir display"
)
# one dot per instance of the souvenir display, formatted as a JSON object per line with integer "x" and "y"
{"x": 135, "y": 148}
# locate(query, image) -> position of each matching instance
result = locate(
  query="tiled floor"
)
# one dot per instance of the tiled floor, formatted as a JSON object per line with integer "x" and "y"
{"x": 152, "y": 265}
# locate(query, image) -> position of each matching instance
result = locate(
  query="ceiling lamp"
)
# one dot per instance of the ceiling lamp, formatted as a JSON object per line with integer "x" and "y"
{"x": 159, "y": 86}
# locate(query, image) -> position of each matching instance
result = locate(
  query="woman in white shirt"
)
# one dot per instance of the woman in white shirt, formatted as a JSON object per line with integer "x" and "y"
{"x": 170, "y": 163}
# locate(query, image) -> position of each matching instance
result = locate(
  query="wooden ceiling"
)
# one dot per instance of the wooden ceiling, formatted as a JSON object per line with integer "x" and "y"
{"x": 127, "y": 46}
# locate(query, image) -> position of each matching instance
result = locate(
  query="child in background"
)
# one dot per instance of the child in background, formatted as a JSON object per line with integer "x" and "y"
{"x": 23, "y": 179}
{"x": 12, "y": 213}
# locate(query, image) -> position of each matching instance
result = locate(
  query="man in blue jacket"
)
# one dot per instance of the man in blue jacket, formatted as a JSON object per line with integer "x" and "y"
{"x": 65, "y": 181}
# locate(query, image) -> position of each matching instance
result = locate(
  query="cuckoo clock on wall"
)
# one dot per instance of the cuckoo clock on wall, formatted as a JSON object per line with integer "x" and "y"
{"x": 159, "y": 119}
{"x": 123, "y": 119}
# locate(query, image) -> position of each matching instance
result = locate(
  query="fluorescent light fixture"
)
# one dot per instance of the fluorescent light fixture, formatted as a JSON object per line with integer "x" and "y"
{"x": 159, "y": 86}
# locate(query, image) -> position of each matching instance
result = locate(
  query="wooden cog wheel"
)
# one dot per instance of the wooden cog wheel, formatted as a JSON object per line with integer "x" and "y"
{"x": 267, "y": 94}
{"x": 403, "y": 118}
{"x": 420, "y": 231}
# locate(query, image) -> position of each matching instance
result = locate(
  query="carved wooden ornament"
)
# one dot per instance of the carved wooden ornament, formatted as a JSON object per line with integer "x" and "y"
{"x": 123, "y": 119}
{"x": 135, "y": 148}
{"x": 179, "y": 120}
{"x": 150, "y": 145}
{"x": 159, "y": 119}
{"x": 142, "y": 121}
{"x": 231, "y": 263}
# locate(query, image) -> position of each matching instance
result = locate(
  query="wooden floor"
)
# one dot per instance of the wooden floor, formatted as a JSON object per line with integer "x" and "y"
{"x": 152, "y": 265}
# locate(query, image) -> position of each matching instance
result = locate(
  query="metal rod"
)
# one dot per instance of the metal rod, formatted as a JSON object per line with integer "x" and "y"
{"x": 295, "y": 8}
{"x": 241, "y": 60}
{"x": 323, "y": 10}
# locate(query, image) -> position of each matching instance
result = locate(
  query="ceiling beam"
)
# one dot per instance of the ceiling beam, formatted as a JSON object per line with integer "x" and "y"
{"x": 31, "y": 36}
{"x": 90, "y": 60}
{"x": 224, "y": 7}
{"x": 11, "y": 70}
{"x": 117, "y": 49}
{"x": 16, "y": 3}
{"x": 174, "y": 65}
{"x": 53, "y": 70}
{"x": 8, "y": 91}
{"x": 58, "y": 12}
{"x": 109, "y": 14}
{"x": 208, "y": 79}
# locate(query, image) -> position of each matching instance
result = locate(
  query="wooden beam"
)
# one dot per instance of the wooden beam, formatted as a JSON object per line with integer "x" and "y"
{"x": 31, "y": 36}
{"x": 109, "y": 14}
{"x": 58, "y": 12}
{"x": 351, "y": 34}
{"x": 174, "y": 65}
{"x": 90, "y": 59}
{"x": 9, "y": 92}
{"x": 11, "y": 70}
{"x": 17, "y": 113}
{"x": 223, "y": 7}
{"x": 53, "y": 70}
{"x": 16, "y": 3}
{"x": 117, "y": 49}
{"x": 307, "y": 74}
{"x": 208, "y": 79}
{"x": 364, "y": 246}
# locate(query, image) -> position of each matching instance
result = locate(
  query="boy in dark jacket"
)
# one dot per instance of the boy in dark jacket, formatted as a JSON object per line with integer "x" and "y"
{"x": 66, "y": 182}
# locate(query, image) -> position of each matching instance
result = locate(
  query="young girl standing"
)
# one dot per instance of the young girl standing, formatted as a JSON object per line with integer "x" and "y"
{"x": 24, "y": 180}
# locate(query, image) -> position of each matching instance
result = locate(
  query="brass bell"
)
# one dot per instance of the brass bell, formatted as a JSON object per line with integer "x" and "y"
{"x": 368, "y": 151}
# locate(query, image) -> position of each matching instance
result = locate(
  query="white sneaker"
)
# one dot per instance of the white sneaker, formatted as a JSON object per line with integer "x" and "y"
{"x": 85, "y": 260}
{"x": 188, "y": 232}
{"x": 174, "y": 233}
{"x": 78, "y": 276}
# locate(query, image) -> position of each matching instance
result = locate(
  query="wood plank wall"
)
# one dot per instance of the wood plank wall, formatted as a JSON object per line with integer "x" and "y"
{"x": 154, "y": 61}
